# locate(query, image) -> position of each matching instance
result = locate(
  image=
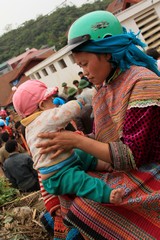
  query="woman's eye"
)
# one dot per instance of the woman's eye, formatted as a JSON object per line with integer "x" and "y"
{"x": 84, "y": 64}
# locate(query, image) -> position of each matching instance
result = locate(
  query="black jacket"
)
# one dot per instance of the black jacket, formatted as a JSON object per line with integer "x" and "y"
{"x": 18, "y": 168}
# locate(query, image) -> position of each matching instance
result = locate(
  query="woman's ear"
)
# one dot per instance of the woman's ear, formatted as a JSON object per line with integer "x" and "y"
{"x": 41, "y": 105}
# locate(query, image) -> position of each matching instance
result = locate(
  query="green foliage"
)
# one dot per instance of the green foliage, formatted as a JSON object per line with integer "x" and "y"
{"x": 7, "y": 193}
{"x": 48, "y": 30}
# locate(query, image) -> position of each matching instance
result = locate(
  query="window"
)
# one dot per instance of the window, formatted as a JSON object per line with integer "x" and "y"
{"x": 149, "y": 24}
{"x": 44, "y": 71}
{"x": 62, "y": 63}
{"x": 32, "y": 76}
{"x": 71, "y": 58}
{"x": 52, "y": 68}
{"x": 38, "y": 75}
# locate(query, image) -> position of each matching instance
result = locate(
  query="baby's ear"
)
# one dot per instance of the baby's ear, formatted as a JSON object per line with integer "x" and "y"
{"x": 41, "y": 105}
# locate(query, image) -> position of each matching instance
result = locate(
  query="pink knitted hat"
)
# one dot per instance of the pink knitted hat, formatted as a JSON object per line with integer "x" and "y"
{"x": 28, "y": 95}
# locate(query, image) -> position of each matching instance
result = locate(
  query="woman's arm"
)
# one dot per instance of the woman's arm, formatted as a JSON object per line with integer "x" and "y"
{"x": 66, "y": 140}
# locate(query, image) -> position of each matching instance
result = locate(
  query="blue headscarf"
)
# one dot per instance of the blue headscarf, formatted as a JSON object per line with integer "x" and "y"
{"x": 124, "y": 51}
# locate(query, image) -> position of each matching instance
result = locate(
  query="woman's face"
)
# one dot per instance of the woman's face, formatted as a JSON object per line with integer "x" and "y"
{"x": 95, "y": 66}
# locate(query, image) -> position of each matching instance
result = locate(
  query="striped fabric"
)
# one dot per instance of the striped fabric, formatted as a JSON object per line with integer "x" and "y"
{"x": 52, "y": 204}
{"x": 129, "y": 89}
{"x": 138, "y": 217}
{"x": 51, "y": 201}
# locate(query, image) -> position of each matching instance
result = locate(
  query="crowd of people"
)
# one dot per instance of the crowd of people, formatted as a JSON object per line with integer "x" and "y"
{"x": 15, "y": 161}
{"x": 94, "y": 148}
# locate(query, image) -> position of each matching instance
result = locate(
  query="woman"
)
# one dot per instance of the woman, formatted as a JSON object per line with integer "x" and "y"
{"x": 127, "y": 131}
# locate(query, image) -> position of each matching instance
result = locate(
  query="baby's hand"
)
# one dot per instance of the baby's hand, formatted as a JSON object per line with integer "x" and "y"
{"x": 103, "y": 166}
{"x": 109, "y": 167}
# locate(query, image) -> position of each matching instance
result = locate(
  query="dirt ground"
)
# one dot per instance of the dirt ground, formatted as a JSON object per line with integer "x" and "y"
{"x": 20, "y": 218}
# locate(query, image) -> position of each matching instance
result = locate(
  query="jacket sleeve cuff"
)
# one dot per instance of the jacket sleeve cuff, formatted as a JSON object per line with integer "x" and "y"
{"x": 121, "y": 155}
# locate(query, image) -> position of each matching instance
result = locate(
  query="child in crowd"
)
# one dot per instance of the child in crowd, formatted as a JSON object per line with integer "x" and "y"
{"x": 65, "y": 173}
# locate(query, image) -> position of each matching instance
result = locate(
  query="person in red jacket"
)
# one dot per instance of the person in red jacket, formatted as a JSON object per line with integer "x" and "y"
{"x": 5, "y": 128}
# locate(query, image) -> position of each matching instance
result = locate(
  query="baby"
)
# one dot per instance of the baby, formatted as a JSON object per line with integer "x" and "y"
{"x": 66, "y": 173}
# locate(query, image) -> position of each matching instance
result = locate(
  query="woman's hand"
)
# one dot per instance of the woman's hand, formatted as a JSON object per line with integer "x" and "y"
{"x": 66, "y": 140}
{"x": 58, "y": 142}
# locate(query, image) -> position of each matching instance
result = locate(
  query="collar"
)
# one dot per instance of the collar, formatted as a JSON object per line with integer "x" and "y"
{"x": 114, "y": 74}
{"x": 30, "y": 118}
{"x": 13, "y": 153}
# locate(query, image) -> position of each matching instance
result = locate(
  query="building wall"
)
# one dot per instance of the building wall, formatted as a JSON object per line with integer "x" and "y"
{"x": 5, "y": 69}
{"x": 56, "y": 69}
{"x": 144, "y": 16}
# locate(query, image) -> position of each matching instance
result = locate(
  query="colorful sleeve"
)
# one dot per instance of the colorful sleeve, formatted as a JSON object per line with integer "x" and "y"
{"x": 139, "y": 141}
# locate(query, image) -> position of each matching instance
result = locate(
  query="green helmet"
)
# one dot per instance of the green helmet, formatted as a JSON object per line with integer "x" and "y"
{"x": 93, "y": 26}
{"x": 71, "y": 91}
{"x": 83, "y": 84}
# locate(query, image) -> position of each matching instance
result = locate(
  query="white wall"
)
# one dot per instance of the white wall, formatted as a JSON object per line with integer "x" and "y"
{"x": 67, "y": 74}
